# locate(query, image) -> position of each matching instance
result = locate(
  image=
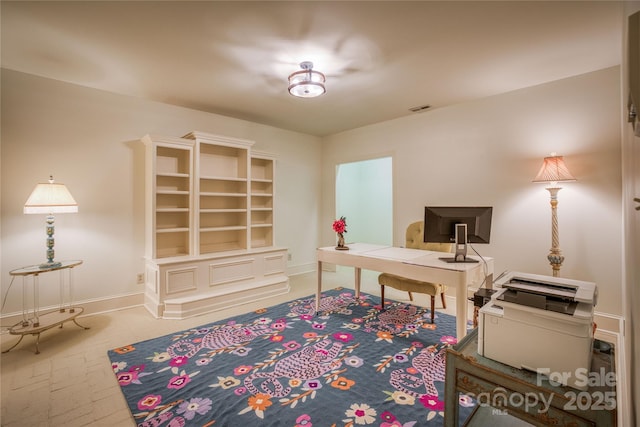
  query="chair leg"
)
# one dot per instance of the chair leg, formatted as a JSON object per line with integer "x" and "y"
{"x": 410, "y": 296}
{"x": 382, "y": 296}
{"x": 444, "y": 303}
{"x": 433, "y": 308}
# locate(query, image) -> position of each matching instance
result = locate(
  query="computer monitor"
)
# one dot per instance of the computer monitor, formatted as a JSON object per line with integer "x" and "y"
{"x": 459, "y": 225}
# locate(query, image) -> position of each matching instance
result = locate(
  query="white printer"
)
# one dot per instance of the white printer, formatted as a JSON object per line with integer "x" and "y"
{"x": 540, "y": 323}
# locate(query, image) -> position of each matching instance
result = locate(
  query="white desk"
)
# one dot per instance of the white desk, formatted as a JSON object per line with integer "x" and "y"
{"x": 415, "y": 264}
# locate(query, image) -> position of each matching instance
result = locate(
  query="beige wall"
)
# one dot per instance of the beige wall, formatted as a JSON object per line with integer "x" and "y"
{"x": 89, "y": 140}
{"x": 487, "y": 152}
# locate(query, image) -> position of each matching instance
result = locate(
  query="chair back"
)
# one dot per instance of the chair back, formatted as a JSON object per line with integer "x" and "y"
{"x": 415, "y": 239}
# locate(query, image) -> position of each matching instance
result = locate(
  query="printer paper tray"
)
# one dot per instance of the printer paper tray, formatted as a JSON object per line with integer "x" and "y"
{"x": 537, "y": 343}
{"x": 570, "y": 325}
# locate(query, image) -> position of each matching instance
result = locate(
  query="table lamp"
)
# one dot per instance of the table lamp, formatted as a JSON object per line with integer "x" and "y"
{"x": 552, "y": 172}
{"x": 50, "y": 198}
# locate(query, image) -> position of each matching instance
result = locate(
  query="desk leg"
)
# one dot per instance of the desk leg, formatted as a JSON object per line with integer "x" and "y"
{"x": 358, "y": 273}
{"x": 461, "y": 311}
{"x": 319, "y": 289}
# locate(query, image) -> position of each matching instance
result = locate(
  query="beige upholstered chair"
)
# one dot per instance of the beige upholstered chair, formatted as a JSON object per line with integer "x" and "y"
{"x": 414, "y": 239}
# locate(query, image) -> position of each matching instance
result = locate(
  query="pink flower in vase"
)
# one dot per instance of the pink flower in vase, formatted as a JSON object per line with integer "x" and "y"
{"x": 340, "y": 225}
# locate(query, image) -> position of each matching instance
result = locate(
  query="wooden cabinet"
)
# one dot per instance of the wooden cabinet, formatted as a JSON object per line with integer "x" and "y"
{"x": 507, "y": 396}
{"x": 209, "y": 204}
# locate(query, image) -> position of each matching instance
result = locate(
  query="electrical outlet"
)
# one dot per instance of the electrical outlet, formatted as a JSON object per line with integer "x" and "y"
{"x": 140, "y": 278}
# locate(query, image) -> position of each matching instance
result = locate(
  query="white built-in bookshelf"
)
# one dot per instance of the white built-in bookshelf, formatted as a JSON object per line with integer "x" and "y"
{"x": 209, "y": 225}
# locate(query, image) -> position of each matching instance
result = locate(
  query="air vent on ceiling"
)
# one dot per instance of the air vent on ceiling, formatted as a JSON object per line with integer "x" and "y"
{"x": 420, "y": 108}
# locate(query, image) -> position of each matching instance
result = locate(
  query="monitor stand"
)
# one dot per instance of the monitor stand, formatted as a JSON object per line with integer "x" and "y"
{"x": 452, "y": 260}
{"x": 461, "y": 246}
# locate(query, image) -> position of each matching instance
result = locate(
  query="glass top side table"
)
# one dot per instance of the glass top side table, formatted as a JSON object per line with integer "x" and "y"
{"x": 33, "y": 322}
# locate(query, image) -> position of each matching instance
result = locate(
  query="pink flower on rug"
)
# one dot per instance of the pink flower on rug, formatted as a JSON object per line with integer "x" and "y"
{"x": 387, "y": 417}
{"x": 448, "y": 339}
{"x": 126, "y": 378}
{"x": 178, "y": 361}
{"x": 242, "y": 369}
{"x": 291, "y": 345}
{"x": 432, "y": 402}
{"x": 279, "y": 325}
{"x": 179, "y": 381}
{"x": 343, "y": 336}
{"x": 203, "y": 361}
{"x": 303, "y": 420}
{"x": 149, "y": 402}
{"x": 318, "y": 325}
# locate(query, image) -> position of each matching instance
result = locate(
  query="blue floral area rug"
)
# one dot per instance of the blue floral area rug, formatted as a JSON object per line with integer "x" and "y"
{"x": 351, "y": 364}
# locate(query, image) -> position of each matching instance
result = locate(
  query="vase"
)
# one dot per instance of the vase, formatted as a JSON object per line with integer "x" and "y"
{"x": 341, "y": 246}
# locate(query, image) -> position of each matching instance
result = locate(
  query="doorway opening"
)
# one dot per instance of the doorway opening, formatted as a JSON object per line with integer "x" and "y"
{"x": 364, "y": 196}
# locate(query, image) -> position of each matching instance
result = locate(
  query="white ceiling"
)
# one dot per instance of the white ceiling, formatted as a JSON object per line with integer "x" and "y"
{"x": 380, "y": 58}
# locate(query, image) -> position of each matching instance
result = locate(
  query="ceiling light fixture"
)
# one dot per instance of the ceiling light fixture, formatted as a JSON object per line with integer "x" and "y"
{"x": 306, "y": 83}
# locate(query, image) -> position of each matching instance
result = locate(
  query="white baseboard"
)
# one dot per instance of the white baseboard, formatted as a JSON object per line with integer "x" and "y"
{"x": 297, "y": 270}
{"x": 91, "y": 307}
{"x": 120, "y": 302}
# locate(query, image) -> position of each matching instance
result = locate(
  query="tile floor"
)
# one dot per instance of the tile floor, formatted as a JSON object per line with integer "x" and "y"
{"x": 70, "y": 383}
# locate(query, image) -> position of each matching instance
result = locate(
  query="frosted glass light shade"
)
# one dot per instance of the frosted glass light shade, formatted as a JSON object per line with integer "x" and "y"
{"x": 49, "y": 198}
{"x": 306, "y": 83}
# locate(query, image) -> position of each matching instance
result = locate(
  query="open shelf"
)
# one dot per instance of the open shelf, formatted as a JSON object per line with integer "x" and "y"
{"x": 222, "y": 161}
{"x": 171, "y": 243}
{"x": 223, "y": 239}
{"x": 176, "y": 161}
{"x": 209, "y": 224}
{"x": 261, "y": 236}
{"x": 261, "y": 169}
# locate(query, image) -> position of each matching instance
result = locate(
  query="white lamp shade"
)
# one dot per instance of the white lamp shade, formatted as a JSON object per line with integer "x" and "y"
{"x": 50, "y": 198}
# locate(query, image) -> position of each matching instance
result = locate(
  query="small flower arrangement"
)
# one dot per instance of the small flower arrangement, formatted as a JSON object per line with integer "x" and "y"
{"x": 340, "y": 225}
